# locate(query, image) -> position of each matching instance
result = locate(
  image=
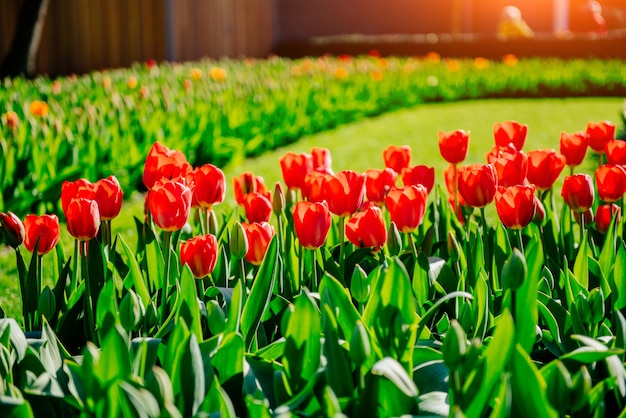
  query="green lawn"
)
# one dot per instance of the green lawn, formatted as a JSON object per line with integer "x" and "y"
{"x": 359, "y": 146}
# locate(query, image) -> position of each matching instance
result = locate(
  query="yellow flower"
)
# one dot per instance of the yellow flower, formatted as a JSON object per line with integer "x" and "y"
{"x": 195, "y": 74}
{"x": 481, "y": 63}
{"x": 38, "y": 108}
{"x": 341, "y": 73}
{"x": 217, "y": 74}
{"x": 131, "y": 82}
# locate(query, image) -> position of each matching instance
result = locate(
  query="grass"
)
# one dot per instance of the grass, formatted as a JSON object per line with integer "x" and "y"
{"x": 359, "y": 146}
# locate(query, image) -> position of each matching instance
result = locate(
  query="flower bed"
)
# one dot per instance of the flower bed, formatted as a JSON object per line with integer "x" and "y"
{"x": 363, "y": 294}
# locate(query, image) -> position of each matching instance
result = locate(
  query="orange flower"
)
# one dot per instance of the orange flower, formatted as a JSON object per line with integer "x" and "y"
{"x": 295, "y": 167}
{"x": 44, "y": 228}
{"x": 109, "y": 195}
{"x": 12, "y": 120}
{"x": 169, "y": 203}
{"x": 433, "y": 57}
{"x": 510, "y": 60}
{"x": 600, "y": 133}
{"x": 453, "y": 145}
{"x": 419, "y": 174}
{"x": 367, "y": 228}
{"x": 407, "y": 206}
{"x": 477, "y": 184}
{"x": 341, "y": 73}
{"x": 344, "y": 192}
{"x": 397, "y": 157}
{"x": 131, "y": 82}
{"x": 200, "y": 254}
{"x": 162, "y": 162}
{"x": 573, "y": 147}
{"x": 378, "y": 183}
{"x": 510, "y": 132}
{"x": 578, "y": 193}
{"x": 611, "y": 182}
{"x": 195, "y": 74}
{"x": 516, "y": 205}
{"x": 217, "y": 74}
{"x": 38, "y": 108}
{"x": 311, "y": 221}
{"x": 453, "y": 65}
{"x": 82, "y": 218}
{"x": 377, "y": 75}
{"x": 259, "y": 236}
{"x": 544, "y": 167}
{"x": 481, "y": 63}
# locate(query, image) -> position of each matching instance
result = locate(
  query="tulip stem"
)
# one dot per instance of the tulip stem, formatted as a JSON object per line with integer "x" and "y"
{"x": 412, "y": 245}
{"x": 167, "y": 243}
{"x": 342, "y": 233}
{"x": 314, "y": 285}
{"x": 300, "y": 266}
{"x": 456, "y": 189}
{"x": 88, "y": 302}
{"x": 281, "y": 245}
{"x": 521, "y": 241}
{"x": 74, "y": 284}
{"x": 37, "y": 318}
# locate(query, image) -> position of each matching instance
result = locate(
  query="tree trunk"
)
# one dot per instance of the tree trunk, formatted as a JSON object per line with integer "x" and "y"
{"x": 20, "y": 60}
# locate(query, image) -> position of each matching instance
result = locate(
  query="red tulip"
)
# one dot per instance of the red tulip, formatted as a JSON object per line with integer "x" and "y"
{"x": 584, "y": 218}
{"x": 13, "y": 229}
{"x": 200, "y": 254}
{"x": 604, "y": 216}
{"x": 511, "y": 166}
{"x": 74, "y": 189}
{"x": 378, "y": 183}
{"x": 246, "y": 183}
{"x": 367, "y": 228}
{"x": 82, "y": 218}
{"x": 510, "y": 132}
{"x": 209, "y": 186}
{"x": 162, "y": 162}
{"x": 578, "y": 192}
{"x": 322, "y": 160}
{"x": 419, "y": 174}
{"x": 109, "y": 196}
{"x": 544, "y": 168}
{"x": 477, "y": 184}
{"x": 397, "y": 157}
{"x": 344, "y": 192}
{"x": 516, "y": 205}
{"x": 600, "y": 133}
{"x": 616, "y": 152}
{"x": 258, "y": 207}
{"x": 13, "y": 121}
{"x": 313, "y": 189}
{"x": 295, "y": 167}
{"x": 448, "y": 177}
{"x": 169, "y": 203}
{"x": 573, "y": 147}
{"x": 311, "y": 221}
{"x": 611, "y": 182}
{"x": 44, "y": 228}
{"x": 453, "y": 145}
{"x": 259, "y": 236}
{"x": 407, "y": 206}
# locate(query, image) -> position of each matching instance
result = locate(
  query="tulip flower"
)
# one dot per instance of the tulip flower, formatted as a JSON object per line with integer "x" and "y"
{"x": 515, "y": 205}
{"x": 12, "y": 229}
{"x": 419, "y": 174}
{"x": 611, "y": 182}
{"x": 378, "y": 183}
{"x": 313, "y": 189}
{"x": 397, "y": 157}
{"x": 70, "y": 190}
{"x": 600, "y": 133}
{"x": 578, "y": 192}
{"x": 169, "y": 203}
{"x": 258, "y": 207}
{"x": 322, "y": 160}
{"x": 246, "y": 183}
{"x": 38, "y": 108}
{"x": 367, "y": 228}
{"x": 604, "y": 216}
{"x": 477, "y": 184}
{"x": 344, "y": 192}
{"x": 616, "y": 152}
{"x": 109, "y": 195}
{"x": 453, "y": 145}
{"x": 44, "y": 228}
{"x": 544, "y": 168}
{"x": 200, "y": 254}
{"x": 82, "y": 218}
{"x": 209, "y": 186}
{"x": 510, "y": 132}
{"x": 295, "y": 167}
{"x": 259, "y": 235}
{"x": 573, "y": 147}
{"x": 311, "y": 221}
{"x": 511, "y": 166}
{"x": 449, "y": 175}
{"x": 407, "y": 206}
{"x": 12, "y": 120}
{"x": 162, "y": 162}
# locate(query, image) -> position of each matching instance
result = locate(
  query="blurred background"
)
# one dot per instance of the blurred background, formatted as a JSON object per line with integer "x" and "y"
{"x": 79, "y": 36}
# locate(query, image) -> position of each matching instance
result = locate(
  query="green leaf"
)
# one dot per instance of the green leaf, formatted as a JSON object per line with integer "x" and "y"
{"x": 260, "y": 294}
{"x": 617, "y": 279}
{"x": 581, "y": 264}
{"x": 337, "y": 297}
{"x": 614, "y": 364}
{"x": 433, "y": 309}
{"x": 189, "y": 303}
{"x": 11, "y": 407}
{"x": 134, "y": 273}
{"x": 229, "y": 358}
{"x": 392, "y": 370}
{"x": 338, "y": 374}
{"x": 420, "y": 283}
{"x": 114, "y": 361}
{"x": 528, "y": 387}
{"x": 526, "y": 298}
{"x": 481, "y": 306}
{"x": 11, "y": 332}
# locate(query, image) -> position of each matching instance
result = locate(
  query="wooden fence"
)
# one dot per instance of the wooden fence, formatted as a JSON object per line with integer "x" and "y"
{"x": 84, "y": 35}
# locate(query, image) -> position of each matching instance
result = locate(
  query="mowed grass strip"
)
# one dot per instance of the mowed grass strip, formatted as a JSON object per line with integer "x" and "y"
{"x": 358, "y": 146}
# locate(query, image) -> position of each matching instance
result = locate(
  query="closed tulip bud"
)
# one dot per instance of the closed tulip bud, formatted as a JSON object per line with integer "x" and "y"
{"x": 131, "y": 311}
{"x": 605, "y": 215}
{"x": 540, "y": 212}
{"x": 291, "y": 197}
{"x": 209, "y": 186}
{"x": 238, "y": 243}
{"x": 477, "y": 184}
{"x": 454, "y": 346}
{"x": 510, "y": 132}
{"x": 472, "y": 354}
{"x": 12, "y": 229}
{"x": 83, "y": 219}
{"x": 44, "y": 228}
{"x": 109, "y": 196}
{"x": 360, "y": 345}
{"x": 394, "y": 240}
{"x": 514, "y": 270}
{"x": 578, "y": 192}
{"x": 359, "y": 285}
{"x": 453, "y": 145}
{"x": 200, "y": 254}
{"x": 559, "y": 383}
{"x": 596, "y": 303}
{"x": 278, "y": 199}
